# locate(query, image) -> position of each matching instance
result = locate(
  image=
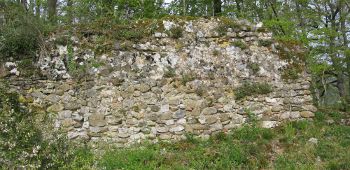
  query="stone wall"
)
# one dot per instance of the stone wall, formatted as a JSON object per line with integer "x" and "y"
{"x": 161, "y": 87}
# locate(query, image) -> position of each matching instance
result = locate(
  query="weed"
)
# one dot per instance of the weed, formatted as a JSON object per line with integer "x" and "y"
{"x": 289, "y": 133}
{"x": 129, "y": 159}
{"x": 185, "y": 78}
{"x": 136, "y": 108}
{"x": 290, "y": 74}
{"x": 97, "y": 64}
{"x": 126, "y": 45}
{"x": 265, "y": 43}
{"x": 225, "y": 24}
{"x": 169, "y": 72}
{"x": 200, "y": 91}
{"x": 191, "y": 138}
{"x": 216, "y": 53}
{"x": 240, "y": 44}
{"x": 254, "y": 67}
{"x": 249, "y": 89}
{"x": 222, "y": 30}
{"x": 176, "y": 32}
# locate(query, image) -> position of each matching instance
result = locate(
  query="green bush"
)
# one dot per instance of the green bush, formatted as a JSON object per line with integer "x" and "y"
{"x": 23, "y": 143}
{"x": 21, "y": 34}
{"x": 249, "y": 89}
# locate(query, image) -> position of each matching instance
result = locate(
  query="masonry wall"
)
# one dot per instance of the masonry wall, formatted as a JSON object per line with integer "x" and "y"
{"x": 163, "y": 87}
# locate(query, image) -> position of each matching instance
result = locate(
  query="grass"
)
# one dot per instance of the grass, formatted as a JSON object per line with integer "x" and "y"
{"x": 248, "y": 147}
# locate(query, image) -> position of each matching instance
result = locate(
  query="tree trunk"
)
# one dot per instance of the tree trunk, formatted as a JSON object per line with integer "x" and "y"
{"x": 52, "y": 4}
{"x": 217, "y": 7}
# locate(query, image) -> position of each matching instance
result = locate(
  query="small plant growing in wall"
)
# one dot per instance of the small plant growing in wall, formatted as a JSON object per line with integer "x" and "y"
{"x": 250, "y": 89}
{"x": 72, "y": 65}
{"x": 216, "y": 53}
{"x": 169, "y": 72}
{"x": 185, "y": 78}
{"x": 74, "y": 69}
{"x": 290, "y": 74}
{"x": 222, "y": 30}
{"x": 200, "y": 91}
{"x": 265, "y": 43}
{"x": 254, "y": 67}
{"x": 225, "y": 24}
{"x": 176, "y": 32}
{"x": 239, "y": 44}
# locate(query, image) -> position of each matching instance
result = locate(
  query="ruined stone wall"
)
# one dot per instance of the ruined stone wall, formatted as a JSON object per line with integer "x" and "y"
{"x": 162, "y": 87}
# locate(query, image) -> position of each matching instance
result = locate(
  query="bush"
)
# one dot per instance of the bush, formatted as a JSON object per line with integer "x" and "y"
{"x": 23, "y": 144}
{"x": 20, "y": 36}
{"x": 249, "y": 89}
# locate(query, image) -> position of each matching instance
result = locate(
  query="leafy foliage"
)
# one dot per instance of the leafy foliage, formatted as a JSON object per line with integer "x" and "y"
{"x": 21, "y": 35}
{"x": 23, "y": 143}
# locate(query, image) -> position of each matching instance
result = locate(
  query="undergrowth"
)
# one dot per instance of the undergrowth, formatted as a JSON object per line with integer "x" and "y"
{"x": 248, "y": 147}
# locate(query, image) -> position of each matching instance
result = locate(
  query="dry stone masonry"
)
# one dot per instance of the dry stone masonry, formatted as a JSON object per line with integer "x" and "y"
{"x": 164, "y": 86}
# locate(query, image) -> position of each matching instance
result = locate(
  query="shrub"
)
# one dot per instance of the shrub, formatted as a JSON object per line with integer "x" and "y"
{"x": 249, "y": 89}
{"x": 21, "y": 34}
{"x": 22, "y": 141}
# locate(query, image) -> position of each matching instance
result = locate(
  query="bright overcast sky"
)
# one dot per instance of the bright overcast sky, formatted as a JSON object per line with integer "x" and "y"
{"x": 167, "y": 1}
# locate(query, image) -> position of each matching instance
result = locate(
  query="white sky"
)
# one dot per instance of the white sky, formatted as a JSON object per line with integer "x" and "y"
{"x": 167, "y": 1}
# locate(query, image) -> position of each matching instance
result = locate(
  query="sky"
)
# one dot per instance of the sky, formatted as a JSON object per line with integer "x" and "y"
{"x": 167, "y": 1}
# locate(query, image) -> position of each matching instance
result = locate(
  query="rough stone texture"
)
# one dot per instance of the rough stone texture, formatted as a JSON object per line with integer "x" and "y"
{"x": 142, "y": 92}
